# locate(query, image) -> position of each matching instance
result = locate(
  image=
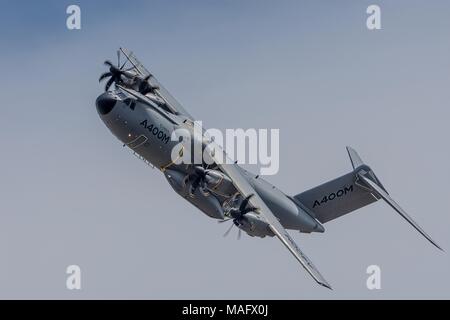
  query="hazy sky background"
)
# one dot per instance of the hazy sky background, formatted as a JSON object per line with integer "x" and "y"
{"x": 70, "y": 194}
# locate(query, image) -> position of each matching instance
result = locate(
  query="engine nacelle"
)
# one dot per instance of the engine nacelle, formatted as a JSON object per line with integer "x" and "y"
{"x": 206, "y": 203}
{"x": 255, "y": 226}
{"x": 219, "y": 183}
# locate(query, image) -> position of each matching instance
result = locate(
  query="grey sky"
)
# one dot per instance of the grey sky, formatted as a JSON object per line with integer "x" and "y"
{"x": 70, "y": 194}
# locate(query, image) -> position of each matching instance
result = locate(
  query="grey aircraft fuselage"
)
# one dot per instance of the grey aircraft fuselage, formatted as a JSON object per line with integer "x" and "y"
{"x": 147, "y": 130}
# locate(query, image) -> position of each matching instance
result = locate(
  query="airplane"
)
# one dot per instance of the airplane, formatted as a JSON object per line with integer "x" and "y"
{"x": 142, "y": 114}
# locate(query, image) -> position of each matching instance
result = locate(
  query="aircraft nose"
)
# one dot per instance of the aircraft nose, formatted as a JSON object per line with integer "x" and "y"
{"x": 105, "y": 103}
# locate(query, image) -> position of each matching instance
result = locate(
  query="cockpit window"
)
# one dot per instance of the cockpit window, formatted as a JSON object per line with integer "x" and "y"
{"x": 130, "y": 103}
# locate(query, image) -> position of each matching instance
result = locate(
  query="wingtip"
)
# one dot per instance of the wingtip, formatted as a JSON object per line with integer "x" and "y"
{"x": 437, "y": 246}
{"x": 430, "y": 239}
{"x": 349, "y": 149}
{"x": 326, "y": 285}
{"x": 355, "y": 159}
{"x": 423, "y": 233}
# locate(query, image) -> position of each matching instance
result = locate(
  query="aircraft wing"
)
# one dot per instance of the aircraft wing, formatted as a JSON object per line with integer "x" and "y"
{"x": 244, "y": 187}
{"x": 162, "y": 92}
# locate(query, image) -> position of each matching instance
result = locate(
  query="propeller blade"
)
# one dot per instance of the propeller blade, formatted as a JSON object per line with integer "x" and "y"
{"x": 108, "y": 63}
{"x": 245, "y": 202}
{"x": 228, "y": 231}
{"x": 197, "y": 178}
{"x": 104, "y": 75}
{"x": 118, "y": 59}
{"x": 225, "y": 220}
{"x": 247, "y": 210}
{"x": 239, "y": 234}
{"x": 109, "y": 83}
{"x": 195, "y": 184}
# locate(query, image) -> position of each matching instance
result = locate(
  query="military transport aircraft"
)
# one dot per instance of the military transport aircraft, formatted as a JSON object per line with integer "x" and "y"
{"x": 142, "y": 114}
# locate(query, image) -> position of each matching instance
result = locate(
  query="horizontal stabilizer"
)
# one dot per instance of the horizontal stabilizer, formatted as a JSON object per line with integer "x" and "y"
{"x": 366, "y": 178}
{"x": 383, "y": 194}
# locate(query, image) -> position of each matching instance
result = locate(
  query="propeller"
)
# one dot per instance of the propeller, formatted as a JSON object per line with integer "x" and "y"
{"x": 115, "y": 72}
{"x": 228, "y": 230}
{"x": 145, "y": 86}
{"x": 197, "y": 178}
{"x": 239, "y": 235}
{"x": 238, "y": 214}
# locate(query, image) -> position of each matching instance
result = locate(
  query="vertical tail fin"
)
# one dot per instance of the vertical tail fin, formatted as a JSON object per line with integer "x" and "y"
{"x": 354, "y": 158}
